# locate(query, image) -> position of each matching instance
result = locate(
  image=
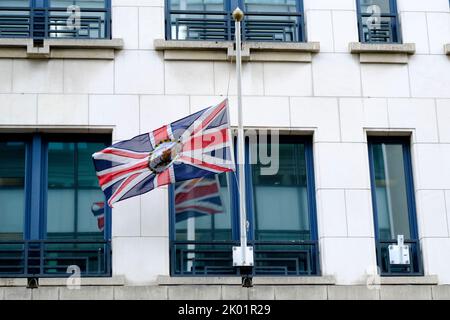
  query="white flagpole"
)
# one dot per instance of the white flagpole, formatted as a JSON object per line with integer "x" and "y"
{"x": 243, "y": 255}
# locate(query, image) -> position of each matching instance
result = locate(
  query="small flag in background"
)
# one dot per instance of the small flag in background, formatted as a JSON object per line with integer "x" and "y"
{"x": 193, "y": 147}
{"x": 98, "y": 210}
{"x": 197, "y": 197}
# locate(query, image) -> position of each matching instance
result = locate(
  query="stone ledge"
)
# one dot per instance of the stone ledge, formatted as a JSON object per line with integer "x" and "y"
{"x": 447, "y": 49}
{"x": 224, "y": 50}
{"x": 257, "y": 281}
{"x": 390, "y": 53}
{"x": 58, "y": 282}
{"x": 425, "y": 280}
{"x": 60, "y": 48}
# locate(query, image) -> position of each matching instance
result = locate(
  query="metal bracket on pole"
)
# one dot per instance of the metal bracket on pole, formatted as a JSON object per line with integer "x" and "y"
{"x": 242, "y": 255}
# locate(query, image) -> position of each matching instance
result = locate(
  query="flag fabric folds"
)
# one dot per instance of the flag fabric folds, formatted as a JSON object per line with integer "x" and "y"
{"x": 193, "y": 147}
{"x": 98, "y": 210}
{"x": 197, "y": 198}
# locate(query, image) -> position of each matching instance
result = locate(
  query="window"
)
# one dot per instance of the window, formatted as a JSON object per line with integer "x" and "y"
{"x": 378, "y": 21}
{"x": 52, "y": 212}
{"x": 281, "y": 215}
{"x": 41, "y": 19}
{"x": 393, "y": 203}
{"x": 265, "y": 20}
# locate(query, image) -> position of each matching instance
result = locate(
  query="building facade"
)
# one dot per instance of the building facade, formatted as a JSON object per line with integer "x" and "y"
{"x": 355, "y": 92}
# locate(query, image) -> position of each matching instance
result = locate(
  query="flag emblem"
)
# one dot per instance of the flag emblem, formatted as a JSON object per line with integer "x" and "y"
{"x": 197, "y": 198}
{"x": 98, "y": 210}
{"x": 190, "y": 148}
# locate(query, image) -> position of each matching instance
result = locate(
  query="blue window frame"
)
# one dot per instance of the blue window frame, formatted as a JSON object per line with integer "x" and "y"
{"x": 52, "y": 213}
{"x": 394, "y": 203}
{"x": 204, "y": 219}
{"x": 265, "y": 20}
{"x": 378, "y": 21}
{"x": 56, "y": 19}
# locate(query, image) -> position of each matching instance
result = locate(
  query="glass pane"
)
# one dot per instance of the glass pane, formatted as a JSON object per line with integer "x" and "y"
{"x": 270, "y": 6}
{"x": 281, "y": 200}
{"x": 202, "y": 209}
{"x": 390, "y": 191}
{"x": 15, "y": 3}
{"x": 12, "y": 194}
{"x": 81, "y": 3}
{"x": 75, "y": 202}
{"x": 199, "y": 5}
{"x": 384, "y": 5}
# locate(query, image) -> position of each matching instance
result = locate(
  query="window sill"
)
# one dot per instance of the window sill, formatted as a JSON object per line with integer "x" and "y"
{"x": 425, "y": 280}
{"x": 224, "y": 50}
{"x": 312, "y": 280}
{"x": 383, "y": 52}
{"x": 98, "y": 49}
{"x": 447, "y": 49}
{"x": 61, "y": 282}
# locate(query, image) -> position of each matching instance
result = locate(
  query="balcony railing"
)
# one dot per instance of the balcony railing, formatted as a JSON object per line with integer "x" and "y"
{"x": 287, "y": 258}
{"x": 385, "y": 30}
{"x": 48, "y": 258}
{"x": 42, "y": 23}
{"x": 219, "y": 26}
{"x": 414, "y": 268}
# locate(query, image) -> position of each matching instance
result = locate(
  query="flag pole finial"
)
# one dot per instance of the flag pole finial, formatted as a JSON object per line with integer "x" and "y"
{"x": 238, "y": 14}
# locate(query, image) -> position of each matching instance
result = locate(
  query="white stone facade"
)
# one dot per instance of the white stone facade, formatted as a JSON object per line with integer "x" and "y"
{"x": 338, "y": 98}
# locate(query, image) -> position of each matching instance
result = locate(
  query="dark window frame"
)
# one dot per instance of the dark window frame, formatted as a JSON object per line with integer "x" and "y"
{"x": 395, "y": 30}
{"x": 35, "y": 216}
{"x": 226, "y": 18}
{"x": 34, "y": 21}
{"x": 313, "y": 269}
{"x": 416, "y": 266}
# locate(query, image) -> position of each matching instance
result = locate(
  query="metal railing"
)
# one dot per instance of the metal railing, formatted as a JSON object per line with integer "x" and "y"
{"x": 219, "y": 26}
{"x": 386, "y": 30}
{"x": 285, "y": 258}
{"x": 414, "y": 268}
{"x": 52, "y": 258}
{"x": 42, "y": 23}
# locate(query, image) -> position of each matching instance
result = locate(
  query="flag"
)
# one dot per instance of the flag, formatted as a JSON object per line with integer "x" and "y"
{"x": 98, "y": 210}
{"x": 193, "y": 147}
{"x": 197, "y": 197}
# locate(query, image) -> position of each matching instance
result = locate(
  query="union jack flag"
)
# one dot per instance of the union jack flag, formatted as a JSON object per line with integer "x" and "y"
{"x": 98, "y": 210}
{"x": 193, "y": 147}
{"x": 197, "y": 197}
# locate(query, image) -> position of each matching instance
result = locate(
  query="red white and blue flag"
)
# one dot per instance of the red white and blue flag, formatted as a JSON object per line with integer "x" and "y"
{"x": 197, "y": 198}
{"x": 98, "y": 210}
{"x": 193, "y": 147}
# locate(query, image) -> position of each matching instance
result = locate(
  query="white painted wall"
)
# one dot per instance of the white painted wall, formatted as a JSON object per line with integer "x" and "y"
{"x": 336, "y": 96}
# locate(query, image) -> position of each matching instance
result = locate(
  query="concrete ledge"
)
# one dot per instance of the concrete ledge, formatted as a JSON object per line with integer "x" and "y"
{"x": 257, "y": 281}
{"x": 447, "y": 49}
{"x": 60, "y": 48}
{"x": 13, "y": 282}
{"x": 114, "y": 281}
{"x": 224, "y": 50}
{"x": 425, "y": 280}
{"x": 383, "y": 53}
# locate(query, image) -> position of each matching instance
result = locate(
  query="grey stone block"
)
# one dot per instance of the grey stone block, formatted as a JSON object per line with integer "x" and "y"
{"x": 195, "y": 292}
{"x": 403, "y": 292}
{"x": 17, "y": 293}
{"x": 140, "y": 293}
{"x": 324, "y": 280}
{"x": 261, "y": 293}
{"x": 86, "y": 293}
{"x": 167, "y": 280}
{"x": 430, "y": 279}
{"x": 45, "y": 294}
{"x": 301, "y": 292}
{"x": 441, "y": 292}
{"x": 352, "y": 293}
{"x": 2, "y": 294}
{"x": 234, "y": 293}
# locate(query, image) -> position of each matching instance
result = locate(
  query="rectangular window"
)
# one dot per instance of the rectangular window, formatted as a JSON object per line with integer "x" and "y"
{"x": 265, "y": 20}
{"x": 52, "y": 213}
{"x": 41, "y": 19}
{"x": 378, "y": 21}
{"x": 393, "y": 203}
{"x": 281, "y": 213}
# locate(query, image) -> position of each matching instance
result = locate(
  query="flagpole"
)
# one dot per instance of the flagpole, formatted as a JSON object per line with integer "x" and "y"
{"x": 243, "y": 255}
